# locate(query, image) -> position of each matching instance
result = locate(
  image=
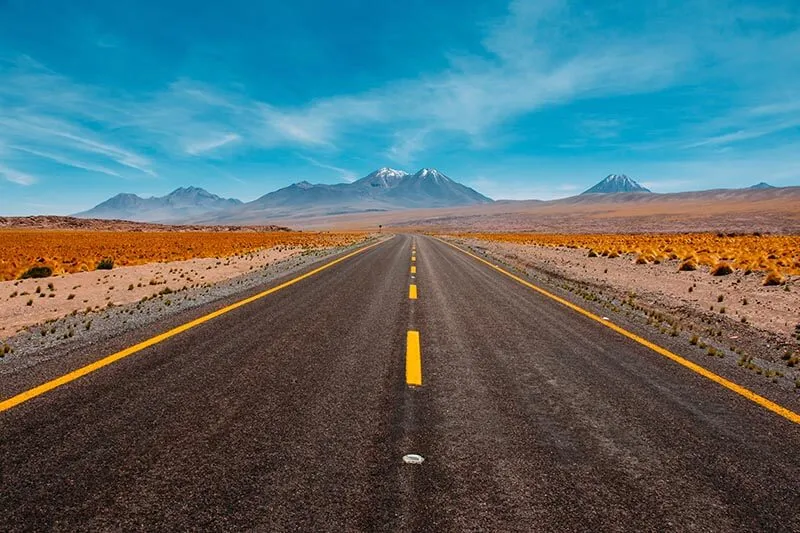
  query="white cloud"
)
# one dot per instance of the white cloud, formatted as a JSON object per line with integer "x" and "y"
{"x": 15, "y": 176}
{"x": 67, "y": 161}
{"x": 343, "y": 173}
{"x": 207, "y": 145}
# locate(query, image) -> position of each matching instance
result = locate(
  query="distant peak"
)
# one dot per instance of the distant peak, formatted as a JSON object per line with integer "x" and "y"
{"x": 614, "y": 183}
{"x": 303, "y": 185}
{"x": 762, "y": 185}
{"x": 390, "y": 171}
{"x": 430, "y": 173}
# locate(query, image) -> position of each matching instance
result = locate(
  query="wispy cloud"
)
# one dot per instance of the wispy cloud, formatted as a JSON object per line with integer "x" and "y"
{"x": 15, "y": 176}
{"x": 68, "y": 162}
{"x": 207, "y": 145}
{"x": 343, "y": 173}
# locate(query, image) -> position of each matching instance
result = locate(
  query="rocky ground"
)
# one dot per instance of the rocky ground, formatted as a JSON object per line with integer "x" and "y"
{"x": 733, "y": 317}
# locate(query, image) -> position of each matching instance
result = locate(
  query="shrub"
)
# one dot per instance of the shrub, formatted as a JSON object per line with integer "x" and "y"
{"x": 687, "y": 266}
{"x": 694, "y": 340}
{"x": 773, "y": 278}
{"x": 37, "y": 272}
{"x": 592, "y": 253}
{"x": 105, "y": 264}
{"x": 721, "y": 269}
{"x": 720, "y": 297}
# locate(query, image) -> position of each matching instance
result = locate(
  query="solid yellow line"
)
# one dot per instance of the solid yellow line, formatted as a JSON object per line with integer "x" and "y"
{"x": 75, "y": 374}
{"x": 412, "y": 292}
{"x": 730, "y": 385}
{"x": 413, "y": 270}
{"x": 413, "y": 360}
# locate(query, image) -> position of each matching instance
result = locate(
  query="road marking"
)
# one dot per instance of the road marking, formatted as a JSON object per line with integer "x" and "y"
{"x": 730, "y": 385}
{"x": 413, "y": 270}
{"x": 413, "y": 360}
{"x": 80, "y": 372}
{"x": 412, "y": 292}
{"x": 413, "y": 258}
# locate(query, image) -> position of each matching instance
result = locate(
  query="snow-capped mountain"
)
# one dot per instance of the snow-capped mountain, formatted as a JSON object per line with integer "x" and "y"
{"x": 382, "y": 190}
{"x": 384, "y": 178}
{"x": 614, "y": 183}
{"x": 431, "y": 188}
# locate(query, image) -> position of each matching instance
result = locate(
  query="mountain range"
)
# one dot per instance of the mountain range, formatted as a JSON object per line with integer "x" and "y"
{"x": 383, "y": 190}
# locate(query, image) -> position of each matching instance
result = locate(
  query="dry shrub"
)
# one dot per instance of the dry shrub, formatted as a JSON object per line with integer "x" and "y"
{"x": 688, "y": 266}
{"x": 612, "y": 254}
{"x": 641, "y": 260}
{"x": 721, "y": 269}
{"x": 773, "y": 278}
{"x": 592, "y": 253}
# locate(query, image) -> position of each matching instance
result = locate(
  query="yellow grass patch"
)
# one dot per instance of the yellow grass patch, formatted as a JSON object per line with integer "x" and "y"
{"x": 779, "y": 253}
{"x": 75, "y": 251}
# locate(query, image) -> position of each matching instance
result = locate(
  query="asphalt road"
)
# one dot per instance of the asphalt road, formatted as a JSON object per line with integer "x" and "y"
{"x": 292, "y": 413}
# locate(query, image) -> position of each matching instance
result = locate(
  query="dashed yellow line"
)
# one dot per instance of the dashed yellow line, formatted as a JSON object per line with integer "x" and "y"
{"x": 75, "y": 374}
{"x": 413, "y": 270}
{"x": 413, "y": 359}
{"x": 730, "y": 385}
{"x": 412, "y": 292}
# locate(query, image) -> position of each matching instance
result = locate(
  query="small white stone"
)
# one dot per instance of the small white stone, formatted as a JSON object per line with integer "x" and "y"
{"x": 413, "y": 459}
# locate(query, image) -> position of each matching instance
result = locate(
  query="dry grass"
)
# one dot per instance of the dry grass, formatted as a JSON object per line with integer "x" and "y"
{"x": 66, "y": 251}
{"x": 779, "y": 253}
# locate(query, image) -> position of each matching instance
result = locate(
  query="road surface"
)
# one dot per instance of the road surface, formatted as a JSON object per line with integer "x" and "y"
{"x": 294, "y": 413}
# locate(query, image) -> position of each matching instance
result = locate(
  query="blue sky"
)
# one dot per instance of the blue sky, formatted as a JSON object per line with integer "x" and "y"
{"x": 520, "y": 99}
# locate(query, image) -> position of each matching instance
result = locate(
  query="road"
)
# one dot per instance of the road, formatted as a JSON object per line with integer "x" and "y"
{"x": 294, "y": 412}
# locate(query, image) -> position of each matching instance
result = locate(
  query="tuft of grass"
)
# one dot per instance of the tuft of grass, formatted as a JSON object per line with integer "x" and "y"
{"x": 773, "y": 278}
{"x": 721, "y": 269}
{"x": 592, "y": 253}
{"x": 105, "y": 264}
{"x": 720, "y": 298}
{"x": 687, "y": 266}
{"x": 37, "y": 272}
{"x": 694, "y": 340}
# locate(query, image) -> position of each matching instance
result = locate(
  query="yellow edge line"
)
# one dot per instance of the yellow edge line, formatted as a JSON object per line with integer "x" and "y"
{"x": 738, "y": 389}
{"x": 413, "y": 360}
{"x": 80, "y": 372}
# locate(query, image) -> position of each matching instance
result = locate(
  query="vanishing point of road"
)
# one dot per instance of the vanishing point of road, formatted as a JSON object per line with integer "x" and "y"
{"x": 294, "y": 410}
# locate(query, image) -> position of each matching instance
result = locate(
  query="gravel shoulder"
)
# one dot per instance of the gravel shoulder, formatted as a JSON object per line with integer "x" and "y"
{"x": 115, "y": 316}
{"x": 733, "y": 320}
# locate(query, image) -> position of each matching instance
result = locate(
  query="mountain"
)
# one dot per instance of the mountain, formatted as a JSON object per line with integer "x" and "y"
{"x": 385, "y": 189}
{"x": 762, "y": 185}
{"x": 614, "y": 183}
{"x": 180, "y": 205}
{"x": 384, "y": 178}
{"x": 431, "y": 188}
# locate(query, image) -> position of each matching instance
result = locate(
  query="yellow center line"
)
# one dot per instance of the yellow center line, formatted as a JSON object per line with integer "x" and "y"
{"x": 730, "y": 385}
{"x": 413, "y": 360}
{"x": 412, "y": 292}
{"x": 80, "y": 372}
{"x": 413, "y": 270}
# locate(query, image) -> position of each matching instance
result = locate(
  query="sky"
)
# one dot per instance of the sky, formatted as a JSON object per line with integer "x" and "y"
{"x": 520, "y": 99}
